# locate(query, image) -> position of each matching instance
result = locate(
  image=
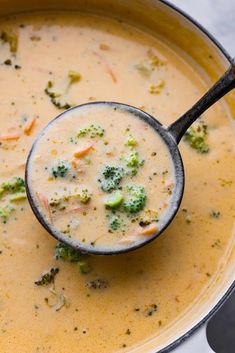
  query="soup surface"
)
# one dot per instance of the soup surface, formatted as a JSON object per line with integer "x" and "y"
{"x": 52, "y": 298}
{"x": 101, "y": 189}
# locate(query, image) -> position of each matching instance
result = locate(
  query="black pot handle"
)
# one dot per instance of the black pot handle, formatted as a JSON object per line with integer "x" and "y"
{"x": 224, "y": 85}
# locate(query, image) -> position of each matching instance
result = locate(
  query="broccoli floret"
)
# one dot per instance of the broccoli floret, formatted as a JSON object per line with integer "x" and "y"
{"x": 54, "y": 96}
{"x": 136, "y": 200}
{"x": 85, "y": 196}
{"x": 14, "y": 185}
{"x": 91, "y": 131}
{"x": 47, "y": 277}
{"x": 5, "y": 212}
{"x": 18, "y": 197}
{"x": 196, "y": 138}
{"x": 84, "y": 267}
{"x": 114, "y": 200}
{"x": 131, "y": 141}
{"x": 61, "y": 169}
{"x": 66, "y": 253}
{"x": 133, "y": 162}
{"x": 114, "y": 222}
{"x": 111, "y": 178}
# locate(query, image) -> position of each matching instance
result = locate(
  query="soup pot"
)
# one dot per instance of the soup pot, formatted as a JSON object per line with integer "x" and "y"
{"x": 162, "y": 19}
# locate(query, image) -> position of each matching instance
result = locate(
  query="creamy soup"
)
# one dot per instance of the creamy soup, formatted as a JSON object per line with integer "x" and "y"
{"x": 99, "y": 188}
{"x": 55, "y": 300}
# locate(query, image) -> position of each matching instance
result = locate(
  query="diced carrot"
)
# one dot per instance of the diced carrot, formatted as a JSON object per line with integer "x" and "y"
{"x": 27, "y": 128}
{"x": 10, "y": 137}
{"x": 107, "y": 66}
{"x": 149, "y": 230}
{"x": 83, "y": 151}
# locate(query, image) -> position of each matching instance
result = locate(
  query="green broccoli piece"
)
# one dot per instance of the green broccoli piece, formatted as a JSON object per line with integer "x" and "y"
{"x": 10, "y": 38}
{"x": 111, "y": 178}
{"x": 5, "y": 212}
{"x": 82, "y": 132}
{"x": 91, "y": 131}
{"x": 14, "y": 185}
{"x": 66, "y": 253}
{"x": 85, "y": 196}
{"x": 84, "y": 267}
{"x": 54, "y": 96}
{"x": 18, "y": 197}
{"x": 136, "y": 200}
{"x": 114, "y": 200}
{"x": 114, "y": 222}
{"x": 196, "y": 137}
{"x": 133, "y": 162}
{"x": 61, "y": 169}
{"x": 47, "y": 277}
{"x": 131, "y": 141}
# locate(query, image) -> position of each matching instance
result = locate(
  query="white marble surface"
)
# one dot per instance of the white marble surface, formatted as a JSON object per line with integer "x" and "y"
{"x": 218, "y": 16}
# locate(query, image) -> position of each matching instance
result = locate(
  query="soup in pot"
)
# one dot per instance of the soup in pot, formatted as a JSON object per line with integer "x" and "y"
{"x": 54, "y": 299}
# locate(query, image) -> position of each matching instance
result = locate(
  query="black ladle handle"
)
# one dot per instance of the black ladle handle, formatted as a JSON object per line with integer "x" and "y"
{"x": 224, "y": 85}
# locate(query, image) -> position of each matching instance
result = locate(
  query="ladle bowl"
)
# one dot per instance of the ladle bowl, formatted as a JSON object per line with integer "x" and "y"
{"x": 170, "y": 135}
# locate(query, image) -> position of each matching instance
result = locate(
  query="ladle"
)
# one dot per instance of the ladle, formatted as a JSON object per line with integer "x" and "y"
{"x": 171, "y": 136}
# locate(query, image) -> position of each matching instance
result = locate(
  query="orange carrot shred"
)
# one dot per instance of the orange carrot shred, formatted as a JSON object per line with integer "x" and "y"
{"x": 45, "y": 203}
{"x": 107, "y": 66}
{"x": 83, "y": 151}
{"x": 149, "y": 230}
{"x": 27, "y": 128}
{"x": 10, "y": 137}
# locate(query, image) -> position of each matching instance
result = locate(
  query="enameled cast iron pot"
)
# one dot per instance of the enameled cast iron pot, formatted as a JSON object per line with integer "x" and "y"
{"x": 164, "y": 20}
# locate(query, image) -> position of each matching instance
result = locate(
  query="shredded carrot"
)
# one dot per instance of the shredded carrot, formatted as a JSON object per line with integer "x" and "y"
{"x": 76, "y": 209}
{"x": 107, "y": 66}
{"x": 27, "y": 128}
{"x": 22, "y": 165}
{"x": 74, "y": 163}
{"x": 149, "y": 230}
{"x": 83, "y": 151}
{"x": 77, "y": 166}
{"x": 46, "y": 205}
{"x": 9, "y": 137}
